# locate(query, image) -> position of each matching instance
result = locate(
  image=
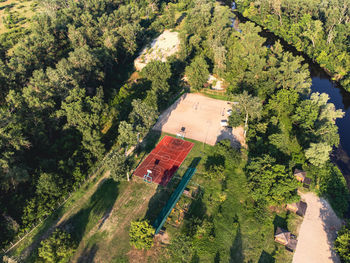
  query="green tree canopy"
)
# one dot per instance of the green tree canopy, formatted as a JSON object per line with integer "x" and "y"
{"x": 318, "y": 153}
{"x": 271, "y": 182}
{"x": 342, "y": 244}
{"x": 197, "y": 72}
{"x": 47, "y": 184}
{"x": 58, "y": 248}
{"x": 117, "y": 164}
{"x": 141, "y": 234}
{"x": 127, "y": 136}
{"x": 143, "y": 116}
{"x": 250, "y": 107}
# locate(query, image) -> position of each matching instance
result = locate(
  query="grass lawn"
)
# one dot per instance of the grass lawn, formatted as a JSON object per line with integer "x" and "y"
{"x": 215, "y": 94}
{"x": 99, "y": 217}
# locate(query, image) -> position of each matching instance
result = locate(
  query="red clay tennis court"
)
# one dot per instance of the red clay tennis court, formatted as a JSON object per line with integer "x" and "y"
{"x": 164, "y": 160}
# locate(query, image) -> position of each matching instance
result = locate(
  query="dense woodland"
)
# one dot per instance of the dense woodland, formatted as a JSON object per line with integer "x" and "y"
{"x": 65, "y": 103}
{"x": 318, "y": 28}
{"x": 61, "y": 92}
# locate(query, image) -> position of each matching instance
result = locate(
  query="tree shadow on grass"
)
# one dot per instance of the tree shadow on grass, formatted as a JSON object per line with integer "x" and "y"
{"x": 163, "y": 194}
{"x": 279, "y": 222}
{"x": 195, "y": 258}
{"x": 236, "y": 250}
{"x": 95, "y": 210}
{"x": 217, "y": 257}
{"x": 158, "y": 201}
{"x": 196, "y": 214}
{"x": 88, "y": 254}
{"x": 266, "y": 258}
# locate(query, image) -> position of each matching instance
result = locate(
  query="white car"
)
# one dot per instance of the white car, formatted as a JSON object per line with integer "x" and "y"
{"x": 223, "y": 123}
{"x": 229, "y": 112}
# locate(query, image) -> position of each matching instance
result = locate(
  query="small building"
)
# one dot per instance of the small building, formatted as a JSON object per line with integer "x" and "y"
{"x": 299, "y": 175}
{"x": 286, "y": 238}
{"x": 299, "y": 208}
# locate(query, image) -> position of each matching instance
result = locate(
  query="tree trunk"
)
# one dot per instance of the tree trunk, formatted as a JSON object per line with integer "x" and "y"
{"x": 246, "y": 125}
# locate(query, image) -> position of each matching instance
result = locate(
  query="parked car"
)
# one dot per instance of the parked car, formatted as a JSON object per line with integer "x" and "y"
{"x": 224, "y": 123}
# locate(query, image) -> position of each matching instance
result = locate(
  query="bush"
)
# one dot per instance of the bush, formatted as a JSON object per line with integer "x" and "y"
{"x": 333, "y": 186}
{"x": 59, "y": 247}
{"x": 235, "y": 119}
{"x": 141, "y": 234}
{"x": 342, "y": 244}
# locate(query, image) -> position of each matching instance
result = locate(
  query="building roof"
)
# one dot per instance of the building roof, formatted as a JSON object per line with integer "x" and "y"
{"x": 301, "y": 208}
{"x": 300, "y": 173}
{"x": 282, "y": 234}
{"x": 292, "y": 244}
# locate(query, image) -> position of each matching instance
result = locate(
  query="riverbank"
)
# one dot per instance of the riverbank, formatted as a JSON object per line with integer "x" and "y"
{"x": 322, "y": 83}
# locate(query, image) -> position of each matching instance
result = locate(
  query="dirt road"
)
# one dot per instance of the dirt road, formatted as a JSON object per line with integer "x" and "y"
{"x": 317, "y": 232}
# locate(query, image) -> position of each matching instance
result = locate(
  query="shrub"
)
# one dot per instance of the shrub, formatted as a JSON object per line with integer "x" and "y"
{"x": 59, "y": 247}
{"x": 141, "y": 234}
{"x": 342, "y": 244}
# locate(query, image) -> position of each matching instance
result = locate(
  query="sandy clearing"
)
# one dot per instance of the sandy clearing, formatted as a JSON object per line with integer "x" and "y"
{"x": 167, "y": 44}
{"x": 200, "y": 116}
{"x": 317, "y": 232}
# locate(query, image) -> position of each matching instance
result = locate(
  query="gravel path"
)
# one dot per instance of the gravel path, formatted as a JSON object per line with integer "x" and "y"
{"x": 317, "y": 232}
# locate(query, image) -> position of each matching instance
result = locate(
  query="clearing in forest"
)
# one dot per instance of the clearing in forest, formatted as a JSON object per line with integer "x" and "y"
{"x": 164, "y": 46}
{"x": 200, "y": 118}
{"x": 14, "y": 13}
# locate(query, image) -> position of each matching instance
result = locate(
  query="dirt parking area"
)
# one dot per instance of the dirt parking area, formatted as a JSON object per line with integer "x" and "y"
{"x": 200, "y": 118}
{"x": 317, "y": 232}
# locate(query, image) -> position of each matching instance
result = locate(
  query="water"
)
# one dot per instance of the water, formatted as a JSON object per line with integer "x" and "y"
{"x": 322, "y": 83}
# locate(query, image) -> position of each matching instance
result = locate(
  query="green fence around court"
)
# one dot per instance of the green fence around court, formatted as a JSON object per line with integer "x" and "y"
{"x": 163, "y": 215}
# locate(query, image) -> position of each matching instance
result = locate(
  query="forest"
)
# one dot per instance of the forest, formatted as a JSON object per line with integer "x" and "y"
{"x": 68, "y": 106}
{"x": 318, "y": 28}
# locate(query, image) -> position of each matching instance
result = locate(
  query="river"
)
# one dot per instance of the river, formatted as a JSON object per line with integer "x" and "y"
{"x": 322, "y": 83}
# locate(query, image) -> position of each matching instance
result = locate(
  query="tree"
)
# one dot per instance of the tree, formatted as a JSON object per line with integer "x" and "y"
{"x": 127, "y": 137}
{"x": 283, "y": 102}
{"x": 291, "y": 73}
{"x": 12, "y": 143}
{"x": 333, "y": 186}
{"x": 156, "y": 71}
{"x": 249, "y": 106}
{"x": 342, "y": 244}
{"x": 47, "y": 185}
{"x": 312, "y": 30}
{"x": 271, "y": 182}
{"x": 235, "y": 119}
{"x": 143, "y": 116}
{"x": 317, "y": 118}
{"x": 197, "y": 72}
{"x": 318, "y": 153}
{"x": 117, "y": 165}
{"x": 59, "y": 247}
{"x": 84, "y": 114}
{"x": 141, "y": 234}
